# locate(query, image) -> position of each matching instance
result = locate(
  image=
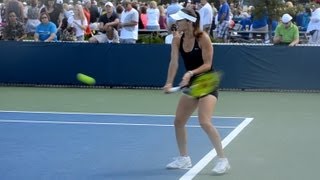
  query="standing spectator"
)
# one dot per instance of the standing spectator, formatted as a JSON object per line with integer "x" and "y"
{"x": 162, "y": 18}
{"x": 14, "y": 30}
{"x": 206, "y": 16}
{"x": 94, "y": 12}
{"x": 223, "y": 21}
{"x": 46, "y": 30}
{"x": 286, "y": 32}
{"x": 143, "y": 17}
{"x": 172, "y": 9}
{"x": 129, "y": 24}
{"x": 110, "y": 18}
{"x": 153, "y": 15}
{"x": 314, "y": 27}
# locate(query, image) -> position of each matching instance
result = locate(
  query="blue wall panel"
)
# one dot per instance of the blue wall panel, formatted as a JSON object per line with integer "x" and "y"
{"x": 244, "y": 67}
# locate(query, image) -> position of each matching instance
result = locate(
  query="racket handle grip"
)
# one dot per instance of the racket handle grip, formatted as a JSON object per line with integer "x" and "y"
{"x": 174, "y": 89}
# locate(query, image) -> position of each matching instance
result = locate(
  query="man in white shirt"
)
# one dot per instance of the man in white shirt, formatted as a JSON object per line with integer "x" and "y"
{"x": 206, "y": 16}
{"x": 129, "y": 24}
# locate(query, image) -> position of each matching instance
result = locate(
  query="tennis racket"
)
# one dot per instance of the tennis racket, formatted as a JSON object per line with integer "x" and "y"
{"x": 201, "y": 85}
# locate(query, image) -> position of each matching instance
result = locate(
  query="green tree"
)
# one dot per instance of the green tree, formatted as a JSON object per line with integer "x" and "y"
{"x": 272, "y": 8}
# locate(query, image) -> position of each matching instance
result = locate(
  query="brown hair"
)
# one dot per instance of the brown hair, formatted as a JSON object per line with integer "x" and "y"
{"x": 196, "y": 25}
{"x": 44, "y": 13}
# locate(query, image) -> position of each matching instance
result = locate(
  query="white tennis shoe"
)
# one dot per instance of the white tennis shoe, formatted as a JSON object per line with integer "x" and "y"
{"x": 222, "y": 166}
{"x": 180, "y": 162}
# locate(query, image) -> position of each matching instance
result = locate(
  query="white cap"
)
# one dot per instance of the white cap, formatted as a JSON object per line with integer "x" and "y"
{"x": 286, "y": 18}
{"x": 86, "y": 1}
{"x": 109, "y": 4}
{"x": 181, "y": 15}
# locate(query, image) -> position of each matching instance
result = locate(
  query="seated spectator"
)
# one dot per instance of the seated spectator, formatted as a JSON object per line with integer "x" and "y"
{"x": 14, "y": 30}
{"x": 110, "y": 18}
{"x": 314, "y": 27}
{"x": 286, "y": 32}
{"x": 46, "y": 30}
{"x": 112, "y": 35}
{"x": 80, "y": 22}
{"x": 67, "y": 33}
{"x": 33, "y": 13}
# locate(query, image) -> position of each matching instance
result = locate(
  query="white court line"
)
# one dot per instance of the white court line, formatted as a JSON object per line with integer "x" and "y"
{"x": 99, "y": 123}
{"x": 208, "y": 157}
{"x": 104, "y": 114}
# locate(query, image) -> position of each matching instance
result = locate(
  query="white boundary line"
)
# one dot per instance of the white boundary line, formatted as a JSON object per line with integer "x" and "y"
{"x": 104, "y": 114}
{"x": 99, "y": 123}
{"x": 208, "y": 157}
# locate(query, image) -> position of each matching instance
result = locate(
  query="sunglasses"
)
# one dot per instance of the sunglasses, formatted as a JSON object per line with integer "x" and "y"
{"x": 44, "y": 17}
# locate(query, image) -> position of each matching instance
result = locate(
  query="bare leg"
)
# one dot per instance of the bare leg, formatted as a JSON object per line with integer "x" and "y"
{"x": 206, "y": 107}
{"x": 185, "y": 108}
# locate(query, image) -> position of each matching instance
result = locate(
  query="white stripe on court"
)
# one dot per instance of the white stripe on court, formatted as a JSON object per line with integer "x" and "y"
{"x": 99, "y": 123}
{"x": 208, "y": 157}
{"x": 104, "y": 114}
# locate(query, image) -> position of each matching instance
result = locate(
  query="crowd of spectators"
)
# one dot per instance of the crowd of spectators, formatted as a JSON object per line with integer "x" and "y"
{"x": 120, "y": 21}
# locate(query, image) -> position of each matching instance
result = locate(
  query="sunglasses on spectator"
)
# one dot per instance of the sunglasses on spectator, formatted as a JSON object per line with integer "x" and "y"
{"x": 44, "y": 17}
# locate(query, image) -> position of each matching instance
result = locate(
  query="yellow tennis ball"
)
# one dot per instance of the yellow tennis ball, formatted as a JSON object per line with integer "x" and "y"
{"x": 86, "y": 79}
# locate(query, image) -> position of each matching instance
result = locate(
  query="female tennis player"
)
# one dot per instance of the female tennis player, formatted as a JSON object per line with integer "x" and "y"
{"x": 197, "y": 52}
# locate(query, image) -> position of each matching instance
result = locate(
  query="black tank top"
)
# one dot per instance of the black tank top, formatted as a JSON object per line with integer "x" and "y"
{"x": 193, "y": 59}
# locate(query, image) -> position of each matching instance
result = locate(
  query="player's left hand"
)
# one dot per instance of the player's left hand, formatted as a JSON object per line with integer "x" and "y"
{"x": 185, "y": 79}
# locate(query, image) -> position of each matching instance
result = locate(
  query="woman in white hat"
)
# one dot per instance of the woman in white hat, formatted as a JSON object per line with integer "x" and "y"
{"x": 196, "y": 50}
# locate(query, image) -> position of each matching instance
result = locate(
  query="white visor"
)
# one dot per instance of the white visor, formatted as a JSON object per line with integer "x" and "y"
{"x": 181, "y": 15}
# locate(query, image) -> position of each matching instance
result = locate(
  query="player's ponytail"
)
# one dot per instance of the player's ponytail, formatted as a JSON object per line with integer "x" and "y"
{"x": 196, "y": 25}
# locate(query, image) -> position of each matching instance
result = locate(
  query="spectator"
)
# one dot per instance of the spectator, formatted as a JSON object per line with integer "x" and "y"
{"x": 223, "y": 20}
{"x": 17, "y": 7}
{"x": 314, "y": 27}
{"x": 80, "y": 22}
{"x": 286, "y": 32}
{"x": 46, "y": 30}
{"x": 172, "y": 9}
{"x": 33, "y": 14}
{"x": 86, "y": 11}
{"x": 206, "y": 16}
{"x": 55, "y": 11}
{"x": 129, "y": 24}
{"x": 110, "y": 18}
{"x": 153, "y": 16}
{"x": 94, "y": 12}
{"x": 162, "y": 18}
{"x": 14, "y": 30}
{"x": 112, "y": 35}
{"x": 143, "y": 17}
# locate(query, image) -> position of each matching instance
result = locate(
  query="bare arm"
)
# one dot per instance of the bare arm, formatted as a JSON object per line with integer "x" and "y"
{"x": 174, "y": 63}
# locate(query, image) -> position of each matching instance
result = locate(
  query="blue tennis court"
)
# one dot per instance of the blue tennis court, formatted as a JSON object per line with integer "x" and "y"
{"x": 56, "y": 145}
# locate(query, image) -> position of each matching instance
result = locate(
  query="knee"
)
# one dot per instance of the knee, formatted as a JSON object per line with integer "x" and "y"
{"x": 179, "y": 123}
{"x": 206, "y": 125}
